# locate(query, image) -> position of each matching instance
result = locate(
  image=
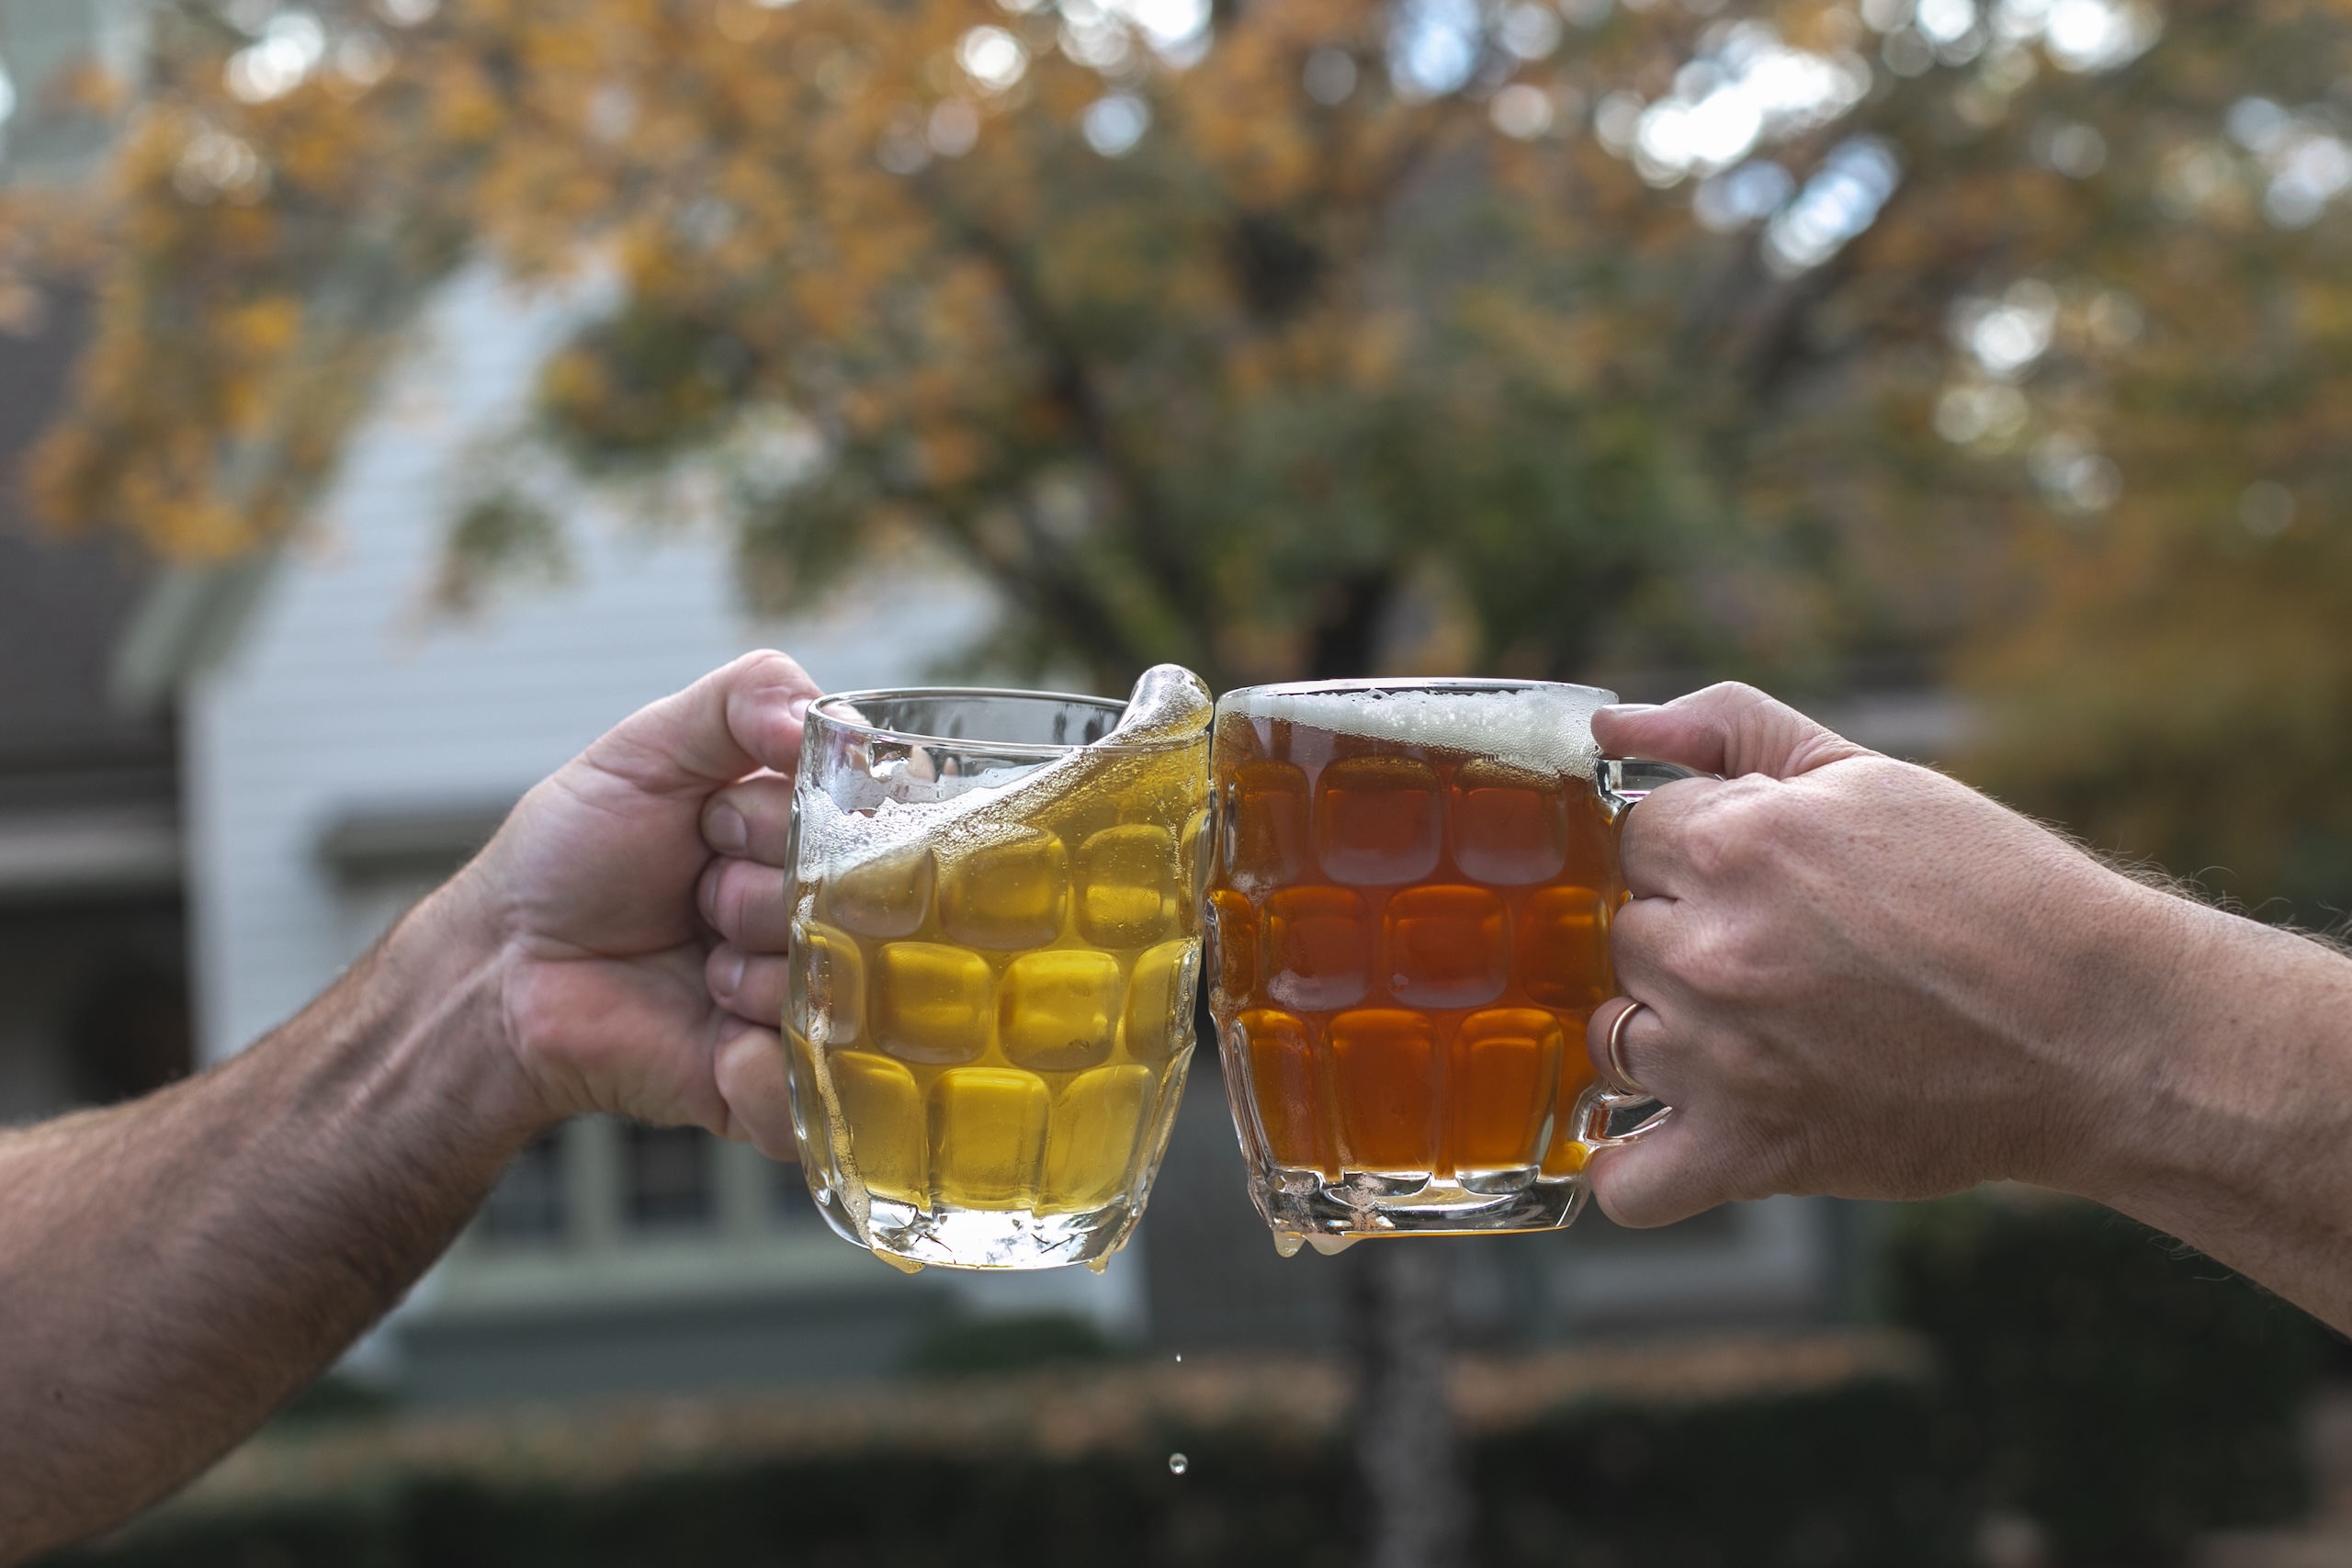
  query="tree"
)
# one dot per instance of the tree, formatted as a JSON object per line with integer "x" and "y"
{"x": 1247, "y": 345}
{"x": 2171, "y": 678}
{"x": 1230, "y": 359}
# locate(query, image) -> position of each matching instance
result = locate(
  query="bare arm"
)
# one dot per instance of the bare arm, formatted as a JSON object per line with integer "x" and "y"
{"x": 1866, "y": 979}
{"x": 172, "y": 1269}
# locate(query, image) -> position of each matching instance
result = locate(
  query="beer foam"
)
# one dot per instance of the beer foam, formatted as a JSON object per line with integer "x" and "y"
{"x": 1545, "y": 729}
{"x": 862, "y": 818}
{"x": 1168, "y": 703}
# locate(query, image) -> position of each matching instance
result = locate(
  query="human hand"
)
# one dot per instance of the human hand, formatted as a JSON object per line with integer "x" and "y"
{"x": 636, "y": 900}
{"x": 1860, "y": 978}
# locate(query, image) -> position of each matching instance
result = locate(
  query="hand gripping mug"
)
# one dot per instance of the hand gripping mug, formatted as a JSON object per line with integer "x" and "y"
{"x": 1407, "y": 931}
{"x": 995, "y": 954}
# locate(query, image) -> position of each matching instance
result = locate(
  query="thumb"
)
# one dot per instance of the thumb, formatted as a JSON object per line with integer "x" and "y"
{"x": 1728, "y": 728}
{"x": 1661, "y": 1177}
{"x": 735, "y": 720}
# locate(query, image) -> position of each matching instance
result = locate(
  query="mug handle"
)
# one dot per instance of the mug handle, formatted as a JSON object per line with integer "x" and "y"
{"x": 1624, "y": 783}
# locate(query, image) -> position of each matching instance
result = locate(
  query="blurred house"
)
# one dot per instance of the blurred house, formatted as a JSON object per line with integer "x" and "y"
{"x": 93, "y": 993}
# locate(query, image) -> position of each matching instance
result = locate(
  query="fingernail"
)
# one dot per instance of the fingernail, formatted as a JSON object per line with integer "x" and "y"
{"x": 1619, "y": 710}
{"x": 728, "y": 972}
{"x": 725, "y": 831}
{"x": 798, "y": 707}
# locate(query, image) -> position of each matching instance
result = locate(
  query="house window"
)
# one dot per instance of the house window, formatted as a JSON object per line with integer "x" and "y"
{"x": 527, "y": 1204}
{"x": 667, "y": 1177}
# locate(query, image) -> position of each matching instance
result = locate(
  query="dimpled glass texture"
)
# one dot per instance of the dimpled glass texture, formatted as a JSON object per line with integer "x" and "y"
{"x": 1405, "y": 938}
{"x": 996, "y": 952}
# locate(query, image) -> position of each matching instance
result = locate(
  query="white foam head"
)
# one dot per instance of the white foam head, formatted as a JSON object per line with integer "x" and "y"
{"x": 1543, "y": 728}
{"x": 1168, "y": 703}
{"x": 862, "y": 818}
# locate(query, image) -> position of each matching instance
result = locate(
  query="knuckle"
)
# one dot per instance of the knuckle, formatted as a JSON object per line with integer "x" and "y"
{"x": 734, "y": 894}
{"x": 764, "y": 887}
{"x": 1638, "y": 931}
{"x": 767, "y": 666}
{"x": 746, "y": 893}
{"x": 1731, "y": 694}
{"x": 766, "y": 806}
{"x": 756, "y": 902}
{"x": 1738, "y": 831}
{"x": 1711, "y": 840}
{"x": 1716, "y": 959}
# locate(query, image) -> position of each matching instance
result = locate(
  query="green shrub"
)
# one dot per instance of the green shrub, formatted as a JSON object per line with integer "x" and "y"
{"x": 1843, "y": 1477}
{"x": 1242, "y": 1504}
{"x": 1831, "y": 1480}
{"x": 957, "y": 1345}
{"x": 2120, "y": 1391}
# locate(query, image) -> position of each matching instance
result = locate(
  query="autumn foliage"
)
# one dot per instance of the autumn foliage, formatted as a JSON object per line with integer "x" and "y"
{"x": 1309, "y": 335}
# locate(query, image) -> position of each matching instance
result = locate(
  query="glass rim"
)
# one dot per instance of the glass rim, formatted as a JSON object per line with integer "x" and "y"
{"x": 817, "y": 710}
{"x": 1411, "y": 684}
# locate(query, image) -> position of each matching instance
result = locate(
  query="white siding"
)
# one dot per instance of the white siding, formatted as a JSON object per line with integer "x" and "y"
{"x": 344, "y": 692}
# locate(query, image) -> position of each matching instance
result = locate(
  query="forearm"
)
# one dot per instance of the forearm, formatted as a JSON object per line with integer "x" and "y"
{"x": 173, "y": 1269}
{"x": 2230, "y": 1126}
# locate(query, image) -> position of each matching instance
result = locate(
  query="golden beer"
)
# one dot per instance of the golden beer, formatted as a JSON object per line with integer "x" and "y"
{"x": 996, "y": 952}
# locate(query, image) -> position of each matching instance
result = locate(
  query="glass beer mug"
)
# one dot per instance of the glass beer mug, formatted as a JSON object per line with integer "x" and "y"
{"x": 1408, "y": 929}
{"x": 995, "y": 954}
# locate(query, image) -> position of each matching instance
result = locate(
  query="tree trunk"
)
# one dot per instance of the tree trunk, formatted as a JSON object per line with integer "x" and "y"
{"x": 1344, "y": 638}
{"x": 1404, "y": 1428}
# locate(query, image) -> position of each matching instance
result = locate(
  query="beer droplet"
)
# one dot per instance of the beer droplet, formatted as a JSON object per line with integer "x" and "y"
{"x": 1178, "y": 1464}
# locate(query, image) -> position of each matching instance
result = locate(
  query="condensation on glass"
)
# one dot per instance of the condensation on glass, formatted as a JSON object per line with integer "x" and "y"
{"x": 996, "y": 942}
{"x": 1409, "y": 929}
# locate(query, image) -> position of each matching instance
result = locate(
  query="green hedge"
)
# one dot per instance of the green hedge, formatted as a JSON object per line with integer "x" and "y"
{"x": 1835, "y": 1480}
{"x": 2120, "y": 1391}
{"x": 1846, "y": 1476}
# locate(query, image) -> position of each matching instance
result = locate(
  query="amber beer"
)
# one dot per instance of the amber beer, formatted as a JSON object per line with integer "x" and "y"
{"x": 1409, "y": 928}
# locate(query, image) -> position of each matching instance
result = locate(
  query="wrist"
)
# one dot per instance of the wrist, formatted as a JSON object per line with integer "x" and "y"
{"x": 2223, "y": 1093}
{"x": 449, "y": 963}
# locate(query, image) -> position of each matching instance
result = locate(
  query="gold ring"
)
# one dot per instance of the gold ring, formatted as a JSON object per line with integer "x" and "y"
{"x": 1625, "y": 1081}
